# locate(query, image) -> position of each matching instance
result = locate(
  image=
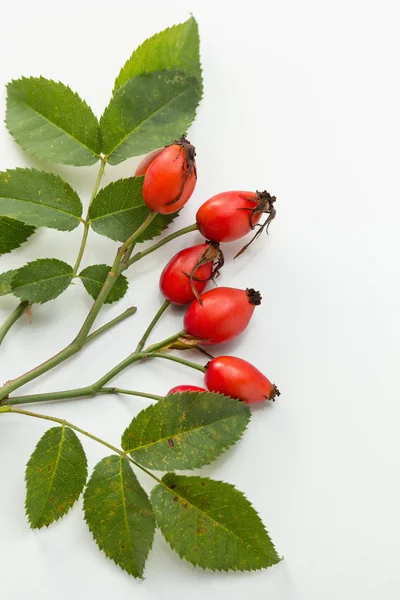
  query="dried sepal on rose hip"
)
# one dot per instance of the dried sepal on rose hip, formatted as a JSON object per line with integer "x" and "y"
{"x": 170, "y": 176}
{"x": 265, "y": 205}
{"x": 187, "y": 273}
{"x": 224, "y": 313}
{"x": 229, "y": 216}
{"x": 240, "y": 379}
{"x": 188, "y": 342}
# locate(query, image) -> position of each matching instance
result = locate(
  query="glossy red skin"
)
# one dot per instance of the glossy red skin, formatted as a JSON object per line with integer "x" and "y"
{"x": 220, "y": 220}
{"x": 238, "y": 378}
{"x": 163, "y": 181}
{"x": 144, "y": 164}
{"x": 175, "y": 285}
{"x": 178, "y": 389}
{"x": 225, "y": 313}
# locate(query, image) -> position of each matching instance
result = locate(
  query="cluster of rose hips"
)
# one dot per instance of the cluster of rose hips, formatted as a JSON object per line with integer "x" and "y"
{"x": 221, "y": 314}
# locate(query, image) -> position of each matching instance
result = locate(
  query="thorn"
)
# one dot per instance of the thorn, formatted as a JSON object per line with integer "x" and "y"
{"x": 28, "y": 312}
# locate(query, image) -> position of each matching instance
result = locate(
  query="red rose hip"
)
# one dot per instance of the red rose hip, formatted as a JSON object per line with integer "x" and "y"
{"x": 170, "y": 178}
{"x": 178, "y": 389}
{"x": 222, "y": 315}
{"x": 229, "y": 216}
{"x": 144, "y": 164}
{"x": 225, "y": 217}
{"x": 238, "y": 378}
{"x": 186, "y": 275}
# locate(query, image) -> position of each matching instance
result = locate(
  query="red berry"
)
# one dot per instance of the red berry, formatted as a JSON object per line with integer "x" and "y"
{"x": 238, "y": 378}
{"x": 187, "y": 273}
{"x": 222, "y": 218}
{"x": 231, "y": 215}
{"x": 178, "y": 389}
{"x": 224, "y": 313}
{"x": 144, "y": 164}
{"x": 170, "y": 178}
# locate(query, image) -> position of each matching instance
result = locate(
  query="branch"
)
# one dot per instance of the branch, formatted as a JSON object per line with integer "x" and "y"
{"x": 13, "y": 318}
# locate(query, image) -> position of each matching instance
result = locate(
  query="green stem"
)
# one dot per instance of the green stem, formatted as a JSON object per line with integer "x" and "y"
{"x": 82, "y": 248}
{"x": 86, "y": 223}
{"x": 64, "y": 423}
{"x": 177, "y": 359}
{"x": 79, "y": 340}
{"x": 128, "y": 253}
{"x": 112, "y": 323}
{"x": 9, "y": 322}
{"x": 33, "y": 398}
{"x": 98, "y": 180}
{"x": 153, "y": 323}
{"x": 74, "y": 394}
{"x": 131, "y": 359}
{"x": 117, "y": 268}
{"x": 121, "y": 366}
{"x": 132, "y": 240}
{"x": 115, "y": 390}
{"x": 98, "y": 386}
{"x": 27, "y": 413}
{"x": 161, "y": 243}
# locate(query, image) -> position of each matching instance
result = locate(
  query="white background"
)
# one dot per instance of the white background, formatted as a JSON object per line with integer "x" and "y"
{"x": 301, "y": 98}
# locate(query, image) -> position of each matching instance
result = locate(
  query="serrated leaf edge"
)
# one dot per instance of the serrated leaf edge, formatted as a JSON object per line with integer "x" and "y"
{"x": 32, "y": 227}
{"x": 13, "y": 271}
{"x": 139, "y": 575}
{"x": 91, "y": 531}
{"x": 54, "y": 177}
{"x": 58, "y": 517}
{"x": 181, "y": 555}
{"x": 10, "y": 83}
{"x": 118, "y": 87}
{"x": 189, "y": 78}
{"x": 223, "y": 448}
{"x": 18, "y": 271}
{"x": 107, "y": 187}
{"x": 120, "y": 277}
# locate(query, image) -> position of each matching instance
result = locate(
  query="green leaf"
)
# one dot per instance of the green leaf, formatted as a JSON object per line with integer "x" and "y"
{"x": 174, "y": 48}
{"x": 185, "y": 431}
{"x": 39, "y": 198}
{"x": 93, "y": 278}
{"x": 12, "y": 234}
{"x": 51, "y": 122}
{"x": 55, "y": 476}
{"x": 118, "y": 210}
{"x": 119, "y": 514}
{"x": 41, "y": 280}
{"x": 211, "y": 524}
{"x": 5, "y": 282}
{"x": 148, "y": 112}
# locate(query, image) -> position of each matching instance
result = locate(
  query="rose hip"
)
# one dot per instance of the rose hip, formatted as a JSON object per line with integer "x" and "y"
{"x": 186, "y": 275}
{"x": 222, "y": 315}
{"x": 178, "y": 389}
{"x": 238, "y": 378}
{"x": 170, "y": 178}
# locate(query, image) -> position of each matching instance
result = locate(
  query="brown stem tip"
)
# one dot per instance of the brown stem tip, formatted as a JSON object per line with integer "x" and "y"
{"x": 254, "y": 296}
